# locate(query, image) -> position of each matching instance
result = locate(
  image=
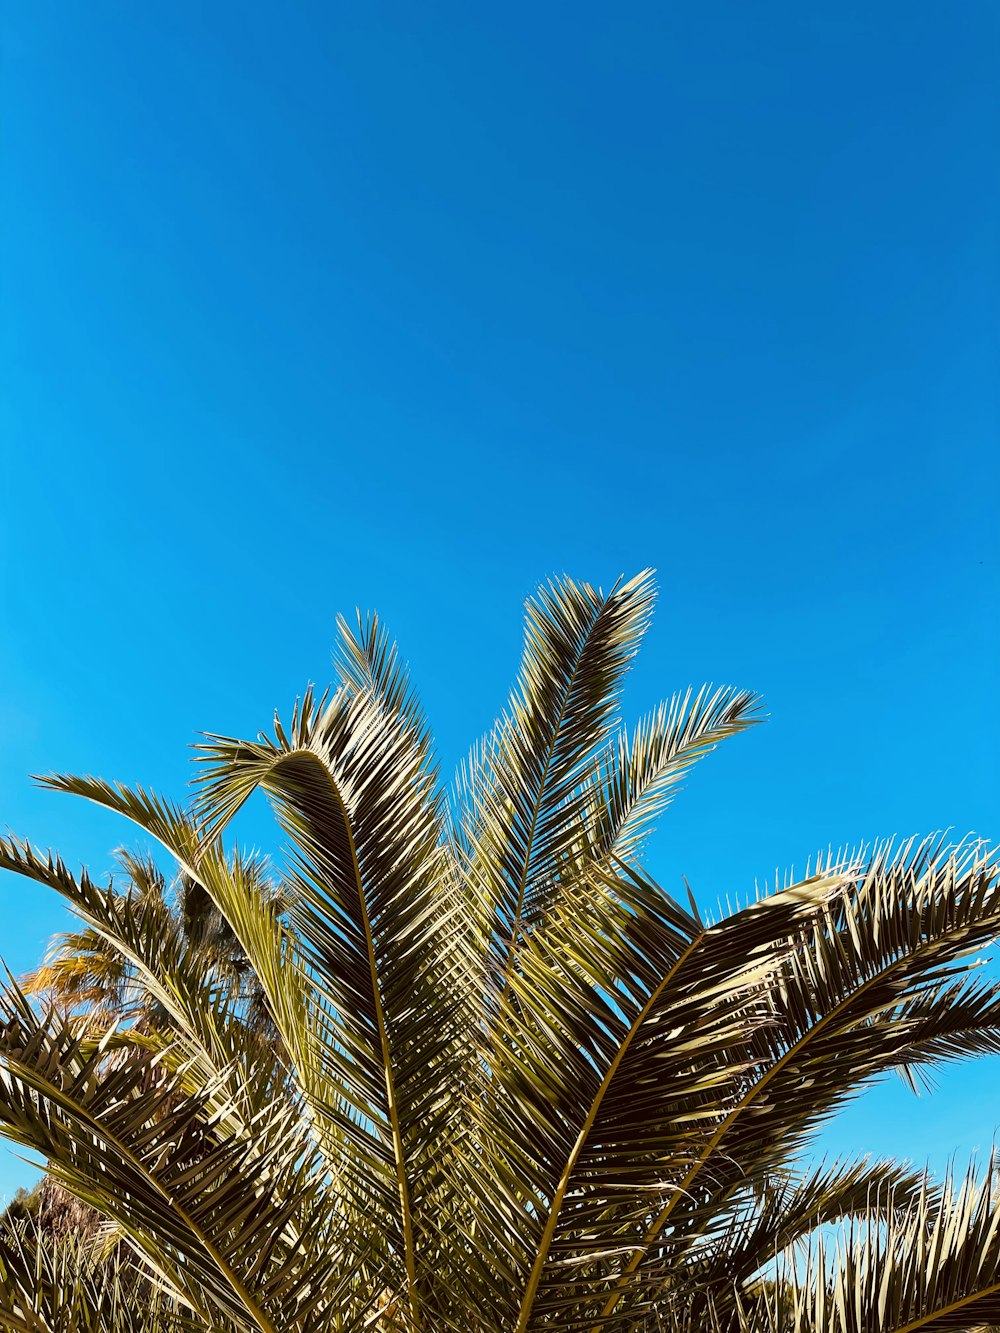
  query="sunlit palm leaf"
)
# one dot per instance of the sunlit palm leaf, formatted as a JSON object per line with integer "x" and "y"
{"x": 69, "y": 1286}
{"x": 578, "y": 644}
{"x": 377, "y": 916}
{"x": 933, "y": 1269}
{"x": 641, "y": 773}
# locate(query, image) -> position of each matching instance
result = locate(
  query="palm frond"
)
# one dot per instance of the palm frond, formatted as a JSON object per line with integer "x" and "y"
{"x": 758, "y": 1227}
{"x": 233, "y": 883}
{"x": 125, "y": 1138}
{"x": 373, "y": 908}
{"x": 640, "y": 775}
{"x": 911, "y": 925}
{"x": 69, "y": 1286}
{"x": 629, "y": 1072}
{"x": 516, "y": 825}
{"x": 934, "y": 1268}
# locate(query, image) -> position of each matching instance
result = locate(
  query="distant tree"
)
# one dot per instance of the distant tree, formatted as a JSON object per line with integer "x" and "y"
{"x": 88, "y": 976}
{"x": 53, "y": 1211}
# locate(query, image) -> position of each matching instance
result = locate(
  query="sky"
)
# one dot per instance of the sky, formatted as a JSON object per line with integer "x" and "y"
{"x": 310, "y": 307}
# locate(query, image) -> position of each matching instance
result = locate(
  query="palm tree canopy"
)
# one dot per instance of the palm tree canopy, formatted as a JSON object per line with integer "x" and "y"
{"x": 86, "y": 975}
{"x": 508, "y": 1083}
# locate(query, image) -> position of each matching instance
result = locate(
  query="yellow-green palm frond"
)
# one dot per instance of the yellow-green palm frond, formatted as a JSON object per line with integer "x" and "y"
{"x": 640, "y": 773}
{"x": 68, "y": 1286}
{"x": 868, "y": 986}
{"x": 376, "y": 917}
{"x": 558, "y": 723}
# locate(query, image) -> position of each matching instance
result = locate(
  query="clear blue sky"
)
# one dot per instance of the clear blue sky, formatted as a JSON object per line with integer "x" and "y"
{"x": 313, "y": 306}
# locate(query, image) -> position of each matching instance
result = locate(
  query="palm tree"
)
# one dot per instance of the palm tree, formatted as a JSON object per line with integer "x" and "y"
{"x": 87, "y": 976}
{"x": 514, "y": 1085}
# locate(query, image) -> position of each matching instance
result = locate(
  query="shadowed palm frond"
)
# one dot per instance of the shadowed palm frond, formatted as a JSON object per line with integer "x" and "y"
{"x": 125, "y": 1137}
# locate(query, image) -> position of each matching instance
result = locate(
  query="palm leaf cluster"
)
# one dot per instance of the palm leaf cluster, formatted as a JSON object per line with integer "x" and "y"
{"x": 460, "y": 1064}
{"x": 101, "y": 985}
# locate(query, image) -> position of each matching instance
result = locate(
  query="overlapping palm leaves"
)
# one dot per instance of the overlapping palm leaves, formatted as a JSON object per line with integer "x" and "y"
{"x": 511, "y": 1084}
{"x": 81, "y": 975}
{"x": 66, "y": 1285}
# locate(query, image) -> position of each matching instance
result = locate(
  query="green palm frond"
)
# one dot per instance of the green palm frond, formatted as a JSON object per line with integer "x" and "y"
{"x": 70, "y": 1286}
{"x": 113, "y": 1133}
{"x": 760, "y": 1225}
{"x": 879, "y": 956}
{"x": 233, "y": 882}
{"x": 354, "y": 792}
{"x": 204, "y": 1028}
{"x": 640, "y": 774}
{"x": 667, "y": 1049}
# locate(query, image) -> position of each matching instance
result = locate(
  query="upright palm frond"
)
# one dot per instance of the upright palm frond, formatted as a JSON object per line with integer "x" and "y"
{"x": 558, "y": 724}
{"x": 375, "y": 915}
{"x": 458, "y": 1063}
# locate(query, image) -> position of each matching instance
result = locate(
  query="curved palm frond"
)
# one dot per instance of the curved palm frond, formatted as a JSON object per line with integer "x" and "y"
{"x": 933, "y": 1268}
{"x": 875, "y": 969}
{"x": 353, "y": 790}
{"x": 641, "y": 773}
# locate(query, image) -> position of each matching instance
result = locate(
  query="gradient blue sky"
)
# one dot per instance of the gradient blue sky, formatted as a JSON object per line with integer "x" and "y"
{"x": 317, "y": 306}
